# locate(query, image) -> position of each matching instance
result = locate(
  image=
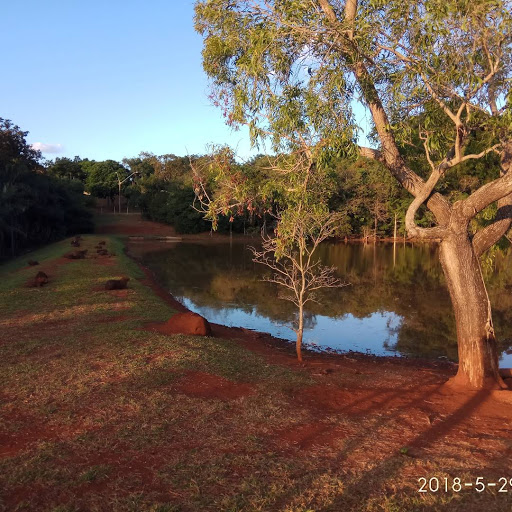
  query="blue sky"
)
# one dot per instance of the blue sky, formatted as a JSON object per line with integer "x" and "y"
{"x": 108, "y": 79}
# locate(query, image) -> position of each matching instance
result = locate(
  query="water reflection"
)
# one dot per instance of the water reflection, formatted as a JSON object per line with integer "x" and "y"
{"x": 396, "y": 304}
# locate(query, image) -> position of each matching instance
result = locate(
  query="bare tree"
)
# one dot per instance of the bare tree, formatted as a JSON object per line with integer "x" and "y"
{"x": 291, "y": 257}
{"x": 304, "y": 221}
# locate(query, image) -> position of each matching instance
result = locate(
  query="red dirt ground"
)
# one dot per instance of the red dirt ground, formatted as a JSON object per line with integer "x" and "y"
{"x": 390, "y": 391}
{"x": 136, "y": 226}
{"x": 206, "y": 385}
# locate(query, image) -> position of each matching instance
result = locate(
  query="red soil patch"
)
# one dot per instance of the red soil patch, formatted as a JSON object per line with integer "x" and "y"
{"x": 102, "y": 288}
{"x": 55, "y": 263}
{"x": 134, "y": 225}
{"x": 47, "y": 267}
{"x": 15, "y": 442}
{"x": 206, "y": 385}
{"x": 136, "y": 469}
{"x": 362, "y": 401}
{"x": 105, "y": 261}
{"x": 120, "y": 293}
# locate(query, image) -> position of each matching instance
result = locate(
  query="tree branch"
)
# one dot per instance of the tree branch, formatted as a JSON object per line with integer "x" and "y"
{"x": 487, "y": 237}
{"x": 412, "y": 228}
{"x": 390, "y": 152}
{"x": 486, "y": 195}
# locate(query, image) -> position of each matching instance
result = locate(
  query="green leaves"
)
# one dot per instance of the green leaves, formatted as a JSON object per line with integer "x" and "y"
{"x": 267, "y": 72}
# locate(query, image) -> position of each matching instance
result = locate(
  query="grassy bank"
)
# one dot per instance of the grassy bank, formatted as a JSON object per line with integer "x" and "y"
{"x": 101, "y": 414}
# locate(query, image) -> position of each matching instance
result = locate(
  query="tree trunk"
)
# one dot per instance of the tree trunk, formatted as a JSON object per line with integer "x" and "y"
{"x": 300, "y": 331}
{"x": 13, "y": 249}
{"x": 478, "y": 354}
{"x": 298, "y": 346}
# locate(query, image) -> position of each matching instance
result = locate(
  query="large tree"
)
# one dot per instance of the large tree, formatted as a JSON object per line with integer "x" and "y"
{"x": 103, "y": 178}
{"x": 435, "y": 73}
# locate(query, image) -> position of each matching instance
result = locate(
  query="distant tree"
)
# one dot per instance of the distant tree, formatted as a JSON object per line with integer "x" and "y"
{"x": 141, "y": 165}
{"x": 102, "y": 179}
{"x": 17, "y": 159}
{"x": 369, "y": 197}
{"x": 169, "y": 167}
{"x": 65, "y": 168}
{"x": 16, "y": 154}
{"x": 34, "y": 208}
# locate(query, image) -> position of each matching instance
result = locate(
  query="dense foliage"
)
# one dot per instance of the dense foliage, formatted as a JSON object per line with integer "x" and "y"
{"x": 34, "y": 208}
{"x": 162, "y": 188}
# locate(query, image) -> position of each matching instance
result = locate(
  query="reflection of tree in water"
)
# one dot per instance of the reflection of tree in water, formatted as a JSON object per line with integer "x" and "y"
{"x": 407, "y": 281}
{"x": 217, "y": 275}
{"x": 309, "y": 320}
{"x": 393, "y": 331}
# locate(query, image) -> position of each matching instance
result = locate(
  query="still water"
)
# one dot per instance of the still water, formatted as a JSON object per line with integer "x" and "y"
{"x": 395, "y": 303}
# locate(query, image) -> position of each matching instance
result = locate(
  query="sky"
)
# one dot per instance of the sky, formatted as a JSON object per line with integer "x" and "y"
{"x": 109, "y": 79}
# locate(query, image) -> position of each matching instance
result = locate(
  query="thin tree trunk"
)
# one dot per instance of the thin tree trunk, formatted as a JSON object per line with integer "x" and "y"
{"x": 13, "y": 249}
{"x": 300, "y": 331}
{"x": 478, "y": 355}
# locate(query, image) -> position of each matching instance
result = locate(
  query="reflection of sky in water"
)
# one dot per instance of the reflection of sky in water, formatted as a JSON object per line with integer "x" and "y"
{"x": 398, "y": 304}
{"x": 372, "y": 334}
{"x": 506, "y": 360}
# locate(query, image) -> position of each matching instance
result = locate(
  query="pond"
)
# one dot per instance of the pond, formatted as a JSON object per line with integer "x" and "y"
{"x": 395, "y": 301}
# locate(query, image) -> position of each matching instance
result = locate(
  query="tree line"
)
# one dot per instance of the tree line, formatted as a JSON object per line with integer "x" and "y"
{"x": 370, "y": 202}
{"x": 35, "y": 207}
{"x": 42, "y": 201}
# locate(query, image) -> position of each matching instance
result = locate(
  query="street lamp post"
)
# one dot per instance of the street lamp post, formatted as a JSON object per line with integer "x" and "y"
{"x": 119, "y": 182}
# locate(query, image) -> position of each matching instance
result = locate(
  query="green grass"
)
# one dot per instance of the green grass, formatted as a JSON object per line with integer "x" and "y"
{"x": 96, "y": 408}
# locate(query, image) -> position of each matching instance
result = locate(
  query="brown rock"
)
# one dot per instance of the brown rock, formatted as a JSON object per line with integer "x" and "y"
{"x": 33, "y": 262}
{"x": 76, "y": 255}
{"x": 40, "y": 280}
{"x": 187, "y": 323}
{"x": 117, "y": 284}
